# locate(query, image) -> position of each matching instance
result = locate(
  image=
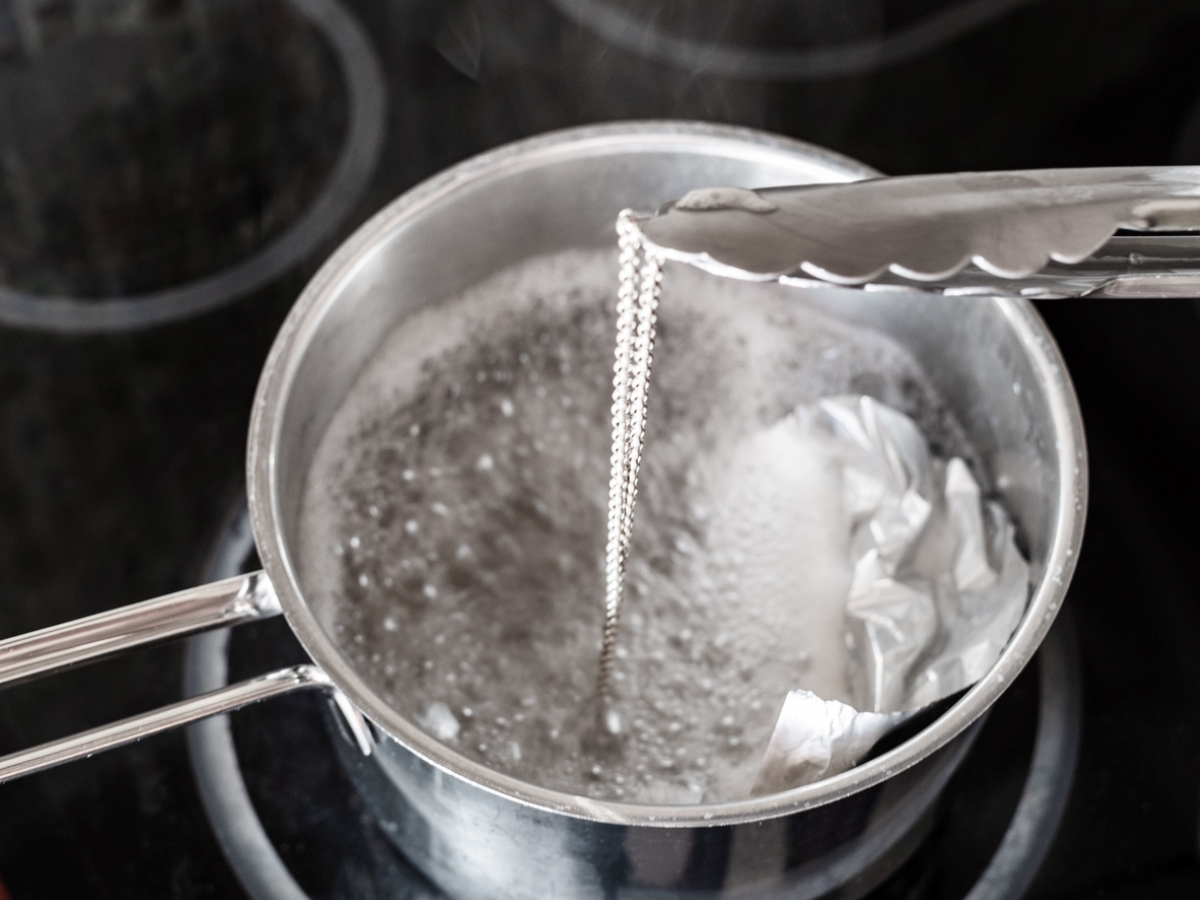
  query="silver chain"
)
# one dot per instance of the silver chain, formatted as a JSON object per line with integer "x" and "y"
{"x": 637, "y": 306}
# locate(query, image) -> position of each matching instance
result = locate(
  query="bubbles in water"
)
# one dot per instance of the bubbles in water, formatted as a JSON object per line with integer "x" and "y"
{"x": 497, "y": 559}
{"x": 440, "y": 722}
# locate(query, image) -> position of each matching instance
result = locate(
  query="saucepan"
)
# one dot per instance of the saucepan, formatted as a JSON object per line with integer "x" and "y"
{"x": 477, "y": 832}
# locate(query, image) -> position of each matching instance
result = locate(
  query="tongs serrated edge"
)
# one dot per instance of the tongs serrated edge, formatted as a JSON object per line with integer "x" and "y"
{"x": 1039, "y": 234}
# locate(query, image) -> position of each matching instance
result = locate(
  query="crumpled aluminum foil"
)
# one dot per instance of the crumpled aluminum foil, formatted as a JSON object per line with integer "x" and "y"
{"x": 938, "y": 589}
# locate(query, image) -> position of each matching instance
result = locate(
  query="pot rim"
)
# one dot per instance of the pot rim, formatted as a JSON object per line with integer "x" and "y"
{"x": 305, "y": 320}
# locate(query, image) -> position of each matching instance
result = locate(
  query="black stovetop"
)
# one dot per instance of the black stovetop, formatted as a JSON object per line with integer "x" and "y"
{"x": 121, "y": 453}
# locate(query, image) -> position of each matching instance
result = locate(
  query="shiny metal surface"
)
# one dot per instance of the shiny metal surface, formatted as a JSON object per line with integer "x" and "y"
{"x": 992, "y": 359}
{"x": 474, "y": 848}
{"x": 219, "y": 780}
{"x": 639, "y": 283}
{"x": 265, "y": 876}
{"x": 126, "y": 731}
{"x": 1128, "y": 265}
{"x": 928, "y": 228}
{"x": 215, "y": 605}
{"x": 219, "y": 604}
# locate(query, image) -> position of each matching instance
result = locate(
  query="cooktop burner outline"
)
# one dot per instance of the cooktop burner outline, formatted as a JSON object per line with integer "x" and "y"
{"x": 366, "y": 95}
{"x": 264, "y": 875}
{"x": 645, "y": 38}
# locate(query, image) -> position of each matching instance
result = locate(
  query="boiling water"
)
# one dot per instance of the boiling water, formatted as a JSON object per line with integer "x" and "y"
{"x": 454, "y": 525}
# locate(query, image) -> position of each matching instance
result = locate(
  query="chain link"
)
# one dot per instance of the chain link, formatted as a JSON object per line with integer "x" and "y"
{"x": 637, "y": 308}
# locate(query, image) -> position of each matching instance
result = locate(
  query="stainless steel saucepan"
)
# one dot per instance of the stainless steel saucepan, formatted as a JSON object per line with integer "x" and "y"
{"x": 479, "y": 833}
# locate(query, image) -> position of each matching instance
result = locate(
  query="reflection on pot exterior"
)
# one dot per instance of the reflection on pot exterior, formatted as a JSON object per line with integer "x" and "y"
{"x": 750, "y": 855}
{"x": 479, "y": 846}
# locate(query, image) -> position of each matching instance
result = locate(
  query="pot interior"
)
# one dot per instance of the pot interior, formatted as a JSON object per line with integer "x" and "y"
{"x": 991, "y": 360}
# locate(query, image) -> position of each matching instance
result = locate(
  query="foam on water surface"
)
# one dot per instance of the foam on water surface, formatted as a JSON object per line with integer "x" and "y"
{"x": 453, "y": 532}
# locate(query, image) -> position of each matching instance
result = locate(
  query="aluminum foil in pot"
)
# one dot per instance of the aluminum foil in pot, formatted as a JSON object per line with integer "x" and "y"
{"x": 938, "y": 589}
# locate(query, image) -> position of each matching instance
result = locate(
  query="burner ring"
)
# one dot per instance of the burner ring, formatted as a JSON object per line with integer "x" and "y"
{"x": 264, "y": 875}
{"x": 356, "y": 161}
{"x": 1051, "y": 770}
{"x": 856, "y": 57}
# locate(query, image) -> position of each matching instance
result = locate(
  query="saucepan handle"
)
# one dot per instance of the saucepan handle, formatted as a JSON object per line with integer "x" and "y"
{"x": 219, "y": 604}
{"x": 227, "y": 602}
{"x": 126, "y": 731}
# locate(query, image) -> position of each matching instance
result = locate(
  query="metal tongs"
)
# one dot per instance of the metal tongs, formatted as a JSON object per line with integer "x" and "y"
{"x": 1041, "y": 234}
